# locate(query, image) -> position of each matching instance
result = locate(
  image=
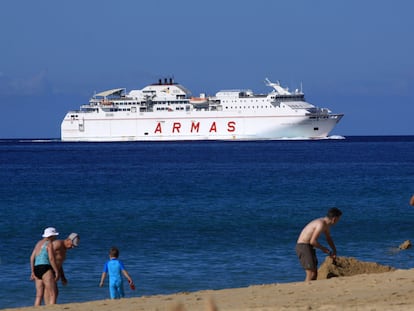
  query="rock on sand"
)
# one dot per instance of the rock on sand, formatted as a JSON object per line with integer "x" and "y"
{"x": 405, "y": 245}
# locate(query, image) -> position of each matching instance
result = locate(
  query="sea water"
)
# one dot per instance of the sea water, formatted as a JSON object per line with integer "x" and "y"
{"x": 188, "y": 216}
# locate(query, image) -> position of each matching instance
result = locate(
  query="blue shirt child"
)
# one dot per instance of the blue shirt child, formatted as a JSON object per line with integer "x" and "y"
{"x": 115, "y": 268}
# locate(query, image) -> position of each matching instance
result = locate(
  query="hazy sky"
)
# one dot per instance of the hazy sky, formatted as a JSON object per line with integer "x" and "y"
{"x": 355, "y": 57}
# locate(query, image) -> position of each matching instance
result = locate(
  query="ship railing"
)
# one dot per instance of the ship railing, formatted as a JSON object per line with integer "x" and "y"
{"x": 252, "y": 95}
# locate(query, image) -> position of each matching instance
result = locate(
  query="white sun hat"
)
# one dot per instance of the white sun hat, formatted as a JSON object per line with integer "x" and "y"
{"x": 50, "y": 232}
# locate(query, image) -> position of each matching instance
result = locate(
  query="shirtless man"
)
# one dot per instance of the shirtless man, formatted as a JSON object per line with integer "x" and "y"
{"x": 308, "y": 241}
{"x": 59, "y": 249}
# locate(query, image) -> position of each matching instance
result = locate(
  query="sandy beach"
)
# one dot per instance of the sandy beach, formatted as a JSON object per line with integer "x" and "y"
{"x": 373, "y": 290}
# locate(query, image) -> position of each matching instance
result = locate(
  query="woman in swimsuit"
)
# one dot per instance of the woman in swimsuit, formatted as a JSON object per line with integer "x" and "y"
{"x": 44, "y": 270}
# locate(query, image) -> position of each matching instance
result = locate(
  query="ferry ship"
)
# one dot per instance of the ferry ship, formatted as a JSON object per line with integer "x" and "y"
{"x": 166, "y": 111}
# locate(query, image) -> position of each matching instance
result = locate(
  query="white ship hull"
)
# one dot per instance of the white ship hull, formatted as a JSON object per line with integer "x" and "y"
{"x": 267, "y": 122}
{"x": 197, "y": 126}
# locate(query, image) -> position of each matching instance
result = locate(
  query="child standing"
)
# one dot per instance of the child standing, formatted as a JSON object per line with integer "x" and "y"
{"x": 114, "y": 268}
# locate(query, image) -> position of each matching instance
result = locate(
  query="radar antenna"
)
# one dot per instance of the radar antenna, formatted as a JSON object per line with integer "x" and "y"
{"x": 276, "y": 86}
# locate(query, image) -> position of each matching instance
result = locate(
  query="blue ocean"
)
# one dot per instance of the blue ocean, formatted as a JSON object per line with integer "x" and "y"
{"x": 189, "y": 216}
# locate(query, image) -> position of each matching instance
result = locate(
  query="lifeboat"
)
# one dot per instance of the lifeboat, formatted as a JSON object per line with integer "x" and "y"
{"x": 198, "y": 100}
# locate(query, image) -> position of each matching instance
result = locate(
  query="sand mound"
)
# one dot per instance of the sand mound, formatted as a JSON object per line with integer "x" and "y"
{"x": 348, "y": 266}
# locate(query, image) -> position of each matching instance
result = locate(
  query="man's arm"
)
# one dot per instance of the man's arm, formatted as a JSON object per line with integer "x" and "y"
{"x": 330, "y": 242}
{"x": 62, "y": 276}
{"x": 314, "y": 239}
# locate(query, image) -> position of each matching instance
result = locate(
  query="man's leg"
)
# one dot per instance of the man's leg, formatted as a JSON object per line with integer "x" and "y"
{"x": 311, "y": 275}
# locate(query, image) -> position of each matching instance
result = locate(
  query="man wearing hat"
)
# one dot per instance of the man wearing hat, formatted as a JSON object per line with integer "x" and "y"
{"x": 59, "y": 249}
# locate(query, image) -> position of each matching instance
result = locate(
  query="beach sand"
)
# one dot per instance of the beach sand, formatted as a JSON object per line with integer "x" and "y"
{"x": 363, "y": 286}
